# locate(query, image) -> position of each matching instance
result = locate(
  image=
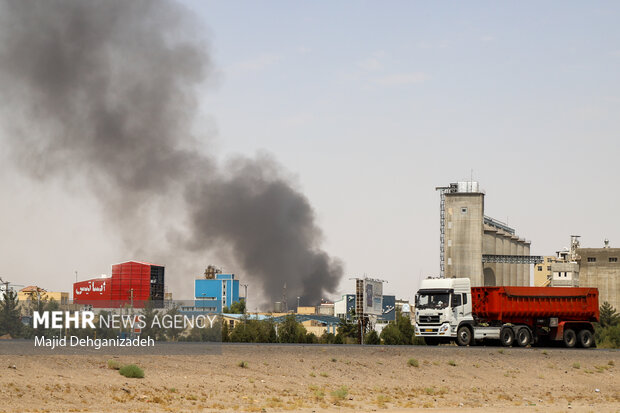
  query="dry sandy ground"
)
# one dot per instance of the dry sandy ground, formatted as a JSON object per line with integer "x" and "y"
{"x": 321, "y": 378}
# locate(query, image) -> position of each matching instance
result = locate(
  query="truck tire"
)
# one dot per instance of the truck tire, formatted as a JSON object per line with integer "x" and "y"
{"x": 585, "y": 339}
{"x": 570, "y": 338}
{"x": 524, "y": 337}
{"x": 463, "y": 336}
{"x": 507, "y": 336}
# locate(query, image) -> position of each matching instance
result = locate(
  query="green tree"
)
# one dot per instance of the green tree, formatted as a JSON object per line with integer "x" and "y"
{"x": 405, "y": 327}
{"x": 608, "y": 315}
{"x": 173, "y": 332}
{"x": 244, "y": 333}
{"x": 41, "y": 305}
{"x": 151, "y": 329}
{"x": 101, "y": 329}
{"x": 346, "y": 330}
{"x": 311, "y": 338}
{"x": 10, "y": 322}
{"x": 225, "y": 337}
{"x": 290, "y": 331}
{"x": 238, "y": 307}
{"x": 328, "y": 338}
{"x": 391, "y": 334}
{"x": 372, "y": 338}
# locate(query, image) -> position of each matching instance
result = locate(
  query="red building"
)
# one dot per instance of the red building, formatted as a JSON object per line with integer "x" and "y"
{"x": 132, "y": 283}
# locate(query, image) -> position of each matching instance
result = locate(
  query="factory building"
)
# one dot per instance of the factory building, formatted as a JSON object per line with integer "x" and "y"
{"x": 215, "y": 290}
{"x": 132, "y": 284}
{"x": 588, "y": 267}
{"x": 542, "y": 271}
{"x": 600, "y": 268}
{"x": 35, "y": 293}
{"x": 478, "y": 247}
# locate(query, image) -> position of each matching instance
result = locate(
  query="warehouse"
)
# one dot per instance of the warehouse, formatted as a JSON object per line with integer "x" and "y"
{"x": 132, "y": 284}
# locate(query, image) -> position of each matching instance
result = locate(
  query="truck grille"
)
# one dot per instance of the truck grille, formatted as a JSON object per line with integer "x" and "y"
{"x": 429, "y": 319}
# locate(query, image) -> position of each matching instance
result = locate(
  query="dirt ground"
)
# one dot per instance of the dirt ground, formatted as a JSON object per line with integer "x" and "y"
{"x": 320, "y": 378}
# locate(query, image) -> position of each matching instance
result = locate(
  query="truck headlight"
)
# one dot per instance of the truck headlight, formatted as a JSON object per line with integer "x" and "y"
{"x": 444, "y": 329}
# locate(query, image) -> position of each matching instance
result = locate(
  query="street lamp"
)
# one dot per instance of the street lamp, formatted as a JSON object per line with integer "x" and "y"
{"x": 298, "y": 304}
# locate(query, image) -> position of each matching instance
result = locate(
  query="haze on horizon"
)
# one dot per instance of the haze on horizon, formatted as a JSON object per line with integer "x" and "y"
{"x": 369, "y": 108}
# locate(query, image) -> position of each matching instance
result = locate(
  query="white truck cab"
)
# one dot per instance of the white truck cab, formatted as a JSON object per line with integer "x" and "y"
{"x": 443, "y": 311}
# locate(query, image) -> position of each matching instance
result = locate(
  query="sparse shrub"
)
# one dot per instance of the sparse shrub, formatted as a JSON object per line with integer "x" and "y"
{"x": 340, "y": 393}
{"x": 114, "y": 364}
{"x": 452, "y": 363}
{"x": 501, "y": 351}
{"x": 576, "y": 365}
{"x": 413, "y": 363}
{"x": 243, "y": 364}
{"x": 611, "y": 363}
{"x": 334, "y": 360}
{"x": 131, "y": 371}
{"x": 382, "y": 400}
{"x": 324, "y": 375}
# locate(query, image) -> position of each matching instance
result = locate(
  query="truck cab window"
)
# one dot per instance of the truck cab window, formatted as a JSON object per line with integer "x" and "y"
{"x": 456, "y": 300}
{"x": 432, "y": 300}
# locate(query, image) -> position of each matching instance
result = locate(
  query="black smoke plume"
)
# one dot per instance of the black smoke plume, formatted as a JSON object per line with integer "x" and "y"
{"x": 102, "y": 94}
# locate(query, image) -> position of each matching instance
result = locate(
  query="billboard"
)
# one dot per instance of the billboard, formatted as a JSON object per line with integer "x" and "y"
{"x": 85, "y": 292}
{"x": 373, "y": 297}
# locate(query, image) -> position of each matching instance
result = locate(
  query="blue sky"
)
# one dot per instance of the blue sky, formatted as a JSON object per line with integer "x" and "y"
{"x": 369, "y": 106}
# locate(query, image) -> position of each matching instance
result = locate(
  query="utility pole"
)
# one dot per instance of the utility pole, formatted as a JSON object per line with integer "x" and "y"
{"x": 298, "y": 304}
{"x": 245, "y": 306}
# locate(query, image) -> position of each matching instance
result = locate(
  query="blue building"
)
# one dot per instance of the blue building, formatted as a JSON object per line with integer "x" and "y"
{"x": 211, "y": 295}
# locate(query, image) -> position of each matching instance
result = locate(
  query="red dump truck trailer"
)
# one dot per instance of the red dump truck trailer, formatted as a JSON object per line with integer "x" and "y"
{"x": 538, "y": 314}
{"x": 451, "y": 310}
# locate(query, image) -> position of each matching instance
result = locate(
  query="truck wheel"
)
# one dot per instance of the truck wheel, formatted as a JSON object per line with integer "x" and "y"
{"x": 585, "y": 338}
{"x": 570, "y": 338}
{"x": 524, "y": 337}
{"x": 463, "y": 336}
{"x": 507, "y": 336}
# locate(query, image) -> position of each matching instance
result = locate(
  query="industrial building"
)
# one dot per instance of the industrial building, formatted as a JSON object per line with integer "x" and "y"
{"x": 584, "y": 267}
{"x": 214, "y": 291}
{"x": 132, "y": 284}
{"x": 542, "y": 271}
{"x": 476, "y": 246}
{"x": 600, "y": 268}
{"x": 35, "y": 293}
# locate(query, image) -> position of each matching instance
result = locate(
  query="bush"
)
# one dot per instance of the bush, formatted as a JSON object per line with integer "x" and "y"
{"x": 413, "y": 363}
{"x": 340, "y": 393}
{"x": 372, "y": 338}
{"x": 114, "y": 365}
{"x": 243, "y": 364}
{"x": 131, "y": 371}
